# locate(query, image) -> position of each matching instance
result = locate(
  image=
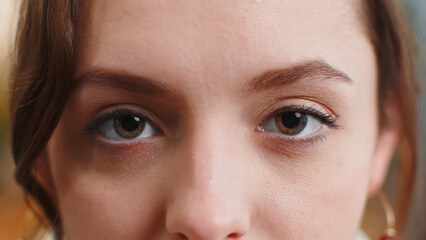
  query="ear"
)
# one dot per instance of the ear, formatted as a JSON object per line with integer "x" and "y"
{"x": 385, "y": 146}
{"x": 43, "y": 176}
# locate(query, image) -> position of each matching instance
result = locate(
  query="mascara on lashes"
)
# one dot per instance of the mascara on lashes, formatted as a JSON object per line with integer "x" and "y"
{"x": 93, "y": 125}
{"x": 325, "y": 118}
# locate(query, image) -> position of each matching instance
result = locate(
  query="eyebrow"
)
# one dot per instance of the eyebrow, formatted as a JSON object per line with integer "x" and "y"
{"x": 121, "y": 80}
{"x": 272, "y": 79}
{"x": 276, "y": 78}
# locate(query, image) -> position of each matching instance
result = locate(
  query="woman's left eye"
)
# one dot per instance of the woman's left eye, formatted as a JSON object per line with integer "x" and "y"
{"x": 294, "y": 123}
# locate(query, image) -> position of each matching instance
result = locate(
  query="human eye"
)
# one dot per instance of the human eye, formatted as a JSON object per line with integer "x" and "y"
{"x": 297, "y": 122}
{"x": 121, "y": 125}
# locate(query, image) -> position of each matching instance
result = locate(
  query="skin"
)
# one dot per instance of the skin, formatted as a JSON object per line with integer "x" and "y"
{"x": 211, "y": 172}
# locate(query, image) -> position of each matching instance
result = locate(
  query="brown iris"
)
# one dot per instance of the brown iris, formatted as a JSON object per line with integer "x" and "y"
{"x": 291, "y": 123}
{"x": 128, "y": 126}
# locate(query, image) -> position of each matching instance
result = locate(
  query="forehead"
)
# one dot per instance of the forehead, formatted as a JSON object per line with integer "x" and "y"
{"x": 232, "y": 36}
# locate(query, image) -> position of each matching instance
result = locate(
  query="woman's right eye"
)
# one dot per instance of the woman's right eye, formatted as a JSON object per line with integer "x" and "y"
{"x": 121, "y": 125}
{"x": 126, "y": 127}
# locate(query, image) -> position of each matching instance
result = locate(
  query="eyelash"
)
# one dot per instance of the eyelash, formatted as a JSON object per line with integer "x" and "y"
{"x": 326, "y": 118}
{"x": 94, "y": 124}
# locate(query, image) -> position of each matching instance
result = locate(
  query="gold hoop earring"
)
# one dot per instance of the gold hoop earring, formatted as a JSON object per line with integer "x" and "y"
{"x": 390, "y": 232}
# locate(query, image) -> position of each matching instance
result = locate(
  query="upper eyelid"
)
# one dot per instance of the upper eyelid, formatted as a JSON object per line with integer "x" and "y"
{"x": 300, "y": 108}
{"x": 283, "y": 102}
{"x": 297, "y": 107}
{"x": 120, "y": 112}
{"x": 94, "y": 122}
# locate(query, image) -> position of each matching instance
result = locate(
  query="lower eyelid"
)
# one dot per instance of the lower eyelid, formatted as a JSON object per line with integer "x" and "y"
{"x": 319, "y": 131}
{"x": 115, "y": 147}
{"x": 283, "y": 144}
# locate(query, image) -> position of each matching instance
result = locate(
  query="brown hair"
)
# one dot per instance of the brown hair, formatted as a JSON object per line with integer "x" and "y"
{"x": 398, "y": 67}
{"x": 42, "y": 80}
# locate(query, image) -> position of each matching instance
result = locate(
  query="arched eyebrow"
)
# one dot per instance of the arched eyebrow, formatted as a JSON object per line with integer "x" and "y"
{"x": 315, "y": 70}
{"x": 276, "y": 78}
{"x": 121, "y": 80}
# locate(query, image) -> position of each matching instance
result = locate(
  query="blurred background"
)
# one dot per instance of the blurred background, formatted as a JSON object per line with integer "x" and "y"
{"x": 10, "y": 197}
{"x": 12, "y": 204}
{"x": 17, "y": 221}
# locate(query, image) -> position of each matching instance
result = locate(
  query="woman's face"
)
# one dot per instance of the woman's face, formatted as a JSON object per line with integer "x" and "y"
{"x": 210, "y": 120}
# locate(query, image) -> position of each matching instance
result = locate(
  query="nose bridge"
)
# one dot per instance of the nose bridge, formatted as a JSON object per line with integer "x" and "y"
{"x": 209, "y": 155}
{"x": 208, "y": 152}
{"x": 206, "y": 200}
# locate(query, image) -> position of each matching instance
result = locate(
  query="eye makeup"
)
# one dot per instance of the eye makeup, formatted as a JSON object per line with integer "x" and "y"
{"x": 326, "y": 118}
{"x": 310, "y": 122}
{"x": 317, "y": 123}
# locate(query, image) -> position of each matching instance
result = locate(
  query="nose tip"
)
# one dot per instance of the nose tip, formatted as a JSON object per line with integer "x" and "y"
{"x": 207, "y": 209}
{"x": 205, "y": 224}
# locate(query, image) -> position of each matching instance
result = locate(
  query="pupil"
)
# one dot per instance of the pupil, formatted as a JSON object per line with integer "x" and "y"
{"x": 291, "y": 119}
{"x": 130, "y": 123}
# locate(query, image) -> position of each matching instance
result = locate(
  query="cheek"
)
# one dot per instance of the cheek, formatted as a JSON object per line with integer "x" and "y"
{"x": 324, "y": 191}
{"x": 321, "y": 193}
{"x": 93, "y": 210}
{"x": 325, "y": 202}
{"x": 99, "y": 201}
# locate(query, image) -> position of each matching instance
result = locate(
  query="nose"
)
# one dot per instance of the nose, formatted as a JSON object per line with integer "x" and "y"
{"x": 207, "y": 200}
{"x": 200, "y": 223}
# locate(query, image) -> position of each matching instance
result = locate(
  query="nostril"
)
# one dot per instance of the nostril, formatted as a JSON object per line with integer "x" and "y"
{"x": 181, "y": 236}
{"x": 233, "y": 235}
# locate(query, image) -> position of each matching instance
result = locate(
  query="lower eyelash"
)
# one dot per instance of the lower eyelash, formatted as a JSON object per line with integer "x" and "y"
{"x": 292, "y": 146}
{"x": 309, "y": 141}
